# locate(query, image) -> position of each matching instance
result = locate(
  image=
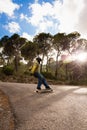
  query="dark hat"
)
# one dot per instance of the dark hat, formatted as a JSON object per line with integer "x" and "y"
{"x": 39, "y": 59}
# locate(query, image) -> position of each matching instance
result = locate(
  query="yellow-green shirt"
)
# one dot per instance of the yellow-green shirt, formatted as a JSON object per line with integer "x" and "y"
{"x": 35, "y": 67}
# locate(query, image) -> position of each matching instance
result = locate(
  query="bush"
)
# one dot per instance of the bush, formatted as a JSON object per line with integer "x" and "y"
{"x": 26, "y": 73}
{"x": 48, "y": 75}
{"x": 8, "y": 70}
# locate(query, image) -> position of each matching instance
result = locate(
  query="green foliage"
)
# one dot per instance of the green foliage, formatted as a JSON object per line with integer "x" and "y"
{"x": 48, "y": 75}
{"x": 43, "y": 41}
{"x": 26, "y": 72}
{"x": 15, "y": 46}
{"x": 29, "y": 50}
{"x": 8, "y": 70}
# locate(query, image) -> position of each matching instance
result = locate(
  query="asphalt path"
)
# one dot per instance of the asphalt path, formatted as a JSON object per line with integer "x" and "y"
{"x": 64, "y": 109}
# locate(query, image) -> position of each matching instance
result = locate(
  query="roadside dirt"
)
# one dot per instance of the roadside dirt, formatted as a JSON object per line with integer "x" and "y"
{"x": 6, "y": 115}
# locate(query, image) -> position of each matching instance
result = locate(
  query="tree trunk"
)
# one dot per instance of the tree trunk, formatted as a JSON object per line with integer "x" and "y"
{"x": 16, "y": 63}
{"x": 66, "y": 69}
{"x": 42, "y": 63}
{"x": 56, "y": 71}
{"x": 47, "y": 64}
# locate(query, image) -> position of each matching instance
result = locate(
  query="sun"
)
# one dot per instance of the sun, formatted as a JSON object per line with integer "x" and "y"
{"x": 81, "y": 56}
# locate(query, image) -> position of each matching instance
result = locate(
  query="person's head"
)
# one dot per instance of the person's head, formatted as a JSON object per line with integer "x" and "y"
{"x": 39, "y": 59}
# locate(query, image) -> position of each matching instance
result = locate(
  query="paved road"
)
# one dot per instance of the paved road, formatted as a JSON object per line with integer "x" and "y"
{"x": 64, "y": 109}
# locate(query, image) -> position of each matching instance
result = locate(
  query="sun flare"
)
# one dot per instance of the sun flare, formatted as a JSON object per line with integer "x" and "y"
{"x": 82, "y": 57}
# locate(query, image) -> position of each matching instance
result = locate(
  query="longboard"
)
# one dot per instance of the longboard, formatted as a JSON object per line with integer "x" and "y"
{"x": 44, "y": 91}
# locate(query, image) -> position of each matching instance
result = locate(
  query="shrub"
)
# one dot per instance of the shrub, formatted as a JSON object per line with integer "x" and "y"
{"x": 48, "y": 75}
{"x": 8, "y": 70}
{"x": 26, "y": 73}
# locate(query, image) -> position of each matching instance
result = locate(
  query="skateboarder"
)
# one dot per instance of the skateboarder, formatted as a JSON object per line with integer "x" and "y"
{"x": 36, "y": 72}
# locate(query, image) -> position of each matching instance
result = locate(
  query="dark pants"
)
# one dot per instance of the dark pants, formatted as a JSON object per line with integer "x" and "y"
{"x": 41, "y": 80}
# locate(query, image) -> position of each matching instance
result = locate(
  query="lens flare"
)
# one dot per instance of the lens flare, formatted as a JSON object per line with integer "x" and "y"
{"x": 82, "y": 57}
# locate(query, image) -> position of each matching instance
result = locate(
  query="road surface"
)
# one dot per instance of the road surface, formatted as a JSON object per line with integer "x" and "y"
{"x": 64, "y": 109}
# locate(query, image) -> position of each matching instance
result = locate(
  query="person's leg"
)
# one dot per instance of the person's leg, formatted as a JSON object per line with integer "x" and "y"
{"x": 37, "y": 75}
{"x": 44, "y": 82}
{"x": 41, "y": 80}
{"x": 39, "y": 84}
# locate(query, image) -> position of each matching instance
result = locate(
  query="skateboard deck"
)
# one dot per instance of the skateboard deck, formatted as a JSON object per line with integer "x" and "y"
{"x": 44, "y": 91}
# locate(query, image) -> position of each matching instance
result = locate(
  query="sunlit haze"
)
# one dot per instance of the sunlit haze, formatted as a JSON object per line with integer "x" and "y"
{"x": 82, "y": 57}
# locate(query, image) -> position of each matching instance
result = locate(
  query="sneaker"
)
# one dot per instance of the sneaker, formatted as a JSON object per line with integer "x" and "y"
{"x": 48, "y": 88}
{"x": 38, "y": 90}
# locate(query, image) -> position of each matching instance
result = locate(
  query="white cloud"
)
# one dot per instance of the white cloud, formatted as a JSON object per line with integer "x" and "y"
{"x": 82, "y": 20}
{"x": 69, "y": 15}
{"x": 40, "y": 12}
{"x": 12, "y": 27}
{"x": 56, "y": 17}
{"x": 24, "y": 17}
{"x": 8, "y": 7}
{"x": 27, "y": 36}
{"x": 36, "y": 1}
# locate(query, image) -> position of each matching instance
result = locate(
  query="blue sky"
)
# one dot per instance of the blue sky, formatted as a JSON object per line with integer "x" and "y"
{"x": 30, "y": 17}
